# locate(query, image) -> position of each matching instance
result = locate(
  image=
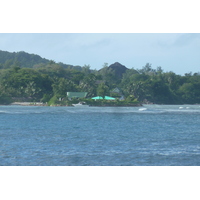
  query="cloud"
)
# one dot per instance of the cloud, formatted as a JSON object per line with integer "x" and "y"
{"x": 187, "y": 39}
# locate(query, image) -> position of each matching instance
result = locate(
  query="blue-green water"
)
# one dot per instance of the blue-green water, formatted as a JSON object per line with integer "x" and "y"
{"x": 100, "y": 136}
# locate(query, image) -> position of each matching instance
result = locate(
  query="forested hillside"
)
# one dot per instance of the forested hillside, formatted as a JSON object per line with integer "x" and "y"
{"x": 25, "y": 60}
{"x": 28, "y": 77}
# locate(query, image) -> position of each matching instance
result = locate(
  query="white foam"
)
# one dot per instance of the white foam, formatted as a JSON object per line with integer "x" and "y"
{"x": 142, "y": 109}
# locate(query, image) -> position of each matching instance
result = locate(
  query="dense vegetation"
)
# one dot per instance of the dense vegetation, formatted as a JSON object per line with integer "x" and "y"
{"x": 26, "y": 60}
{"x": 28, "y": 77}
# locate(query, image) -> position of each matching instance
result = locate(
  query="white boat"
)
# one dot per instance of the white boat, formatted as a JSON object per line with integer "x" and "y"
{"x": 80, "y": 104}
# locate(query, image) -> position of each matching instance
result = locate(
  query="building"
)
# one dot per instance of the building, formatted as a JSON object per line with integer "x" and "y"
{"x": 117, "y": 93}
{"x": 77, "y": 95}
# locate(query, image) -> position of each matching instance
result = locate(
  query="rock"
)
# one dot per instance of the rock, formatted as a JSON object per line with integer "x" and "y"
{"x": 118, "y": 69}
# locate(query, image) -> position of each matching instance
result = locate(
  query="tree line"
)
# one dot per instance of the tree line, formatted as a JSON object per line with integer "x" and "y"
{"x": 50, "y": 81}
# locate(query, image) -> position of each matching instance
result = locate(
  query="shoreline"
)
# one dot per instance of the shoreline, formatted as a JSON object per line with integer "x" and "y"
{"x": 44, "y": 104}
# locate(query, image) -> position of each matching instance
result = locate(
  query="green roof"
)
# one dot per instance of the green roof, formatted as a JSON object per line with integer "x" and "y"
{"x": 76, "y": 94}
{"x": 98, "y": 97}
{"x": 106, "y": 98}
{"x": 116, "y": 90}
{"x": 109, "y": 98}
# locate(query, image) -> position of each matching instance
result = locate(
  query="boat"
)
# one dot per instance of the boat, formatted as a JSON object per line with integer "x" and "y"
{"x": 80, "y": 104}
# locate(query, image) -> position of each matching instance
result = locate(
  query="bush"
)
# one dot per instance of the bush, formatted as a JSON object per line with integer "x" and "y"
{"x": 53, "y": 101}
{"x": 5, "y": 100}
{"x": 45, "y": 98}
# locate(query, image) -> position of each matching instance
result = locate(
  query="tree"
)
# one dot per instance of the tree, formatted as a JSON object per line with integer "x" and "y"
{"x": 62, "y": 86}
{"x": 86, "y": 69}
{"x": 108, "y": 75}
{"x": 102, "y": 90}
{"x": 89, "y": 84}
{"x": 147, "y": 69}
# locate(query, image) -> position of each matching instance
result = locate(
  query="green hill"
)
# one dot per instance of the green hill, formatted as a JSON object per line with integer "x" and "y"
{"x": 26, "y": 60}
{"x": 20, "y": 59}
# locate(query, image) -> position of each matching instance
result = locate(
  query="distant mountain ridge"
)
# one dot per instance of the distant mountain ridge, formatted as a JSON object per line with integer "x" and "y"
{"x": 25, "y": 60}
{"x": 20, "y": 58}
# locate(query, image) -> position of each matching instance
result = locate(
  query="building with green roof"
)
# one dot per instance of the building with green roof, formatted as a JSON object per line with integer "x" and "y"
{"x": 71, "y": 95}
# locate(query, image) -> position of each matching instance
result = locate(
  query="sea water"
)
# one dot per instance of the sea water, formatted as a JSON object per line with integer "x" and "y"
{"x": 151, "y": 135}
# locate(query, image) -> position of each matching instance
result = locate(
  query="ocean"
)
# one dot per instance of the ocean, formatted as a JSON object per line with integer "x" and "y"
{"x": 151, "y": 135}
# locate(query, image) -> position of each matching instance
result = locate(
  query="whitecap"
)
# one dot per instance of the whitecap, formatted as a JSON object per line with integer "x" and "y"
{"x": 142, "y": 109}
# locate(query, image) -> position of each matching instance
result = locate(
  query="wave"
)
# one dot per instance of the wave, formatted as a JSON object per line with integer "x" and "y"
{"x": 145, "y": 109}
{"x": 142, "y": 109}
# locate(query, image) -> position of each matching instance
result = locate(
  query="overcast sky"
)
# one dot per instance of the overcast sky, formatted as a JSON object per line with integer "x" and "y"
{"x": 179, "y": 53}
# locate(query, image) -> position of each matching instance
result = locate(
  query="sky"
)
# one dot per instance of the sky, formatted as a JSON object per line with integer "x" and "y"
{"x": 177, "y": 52}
